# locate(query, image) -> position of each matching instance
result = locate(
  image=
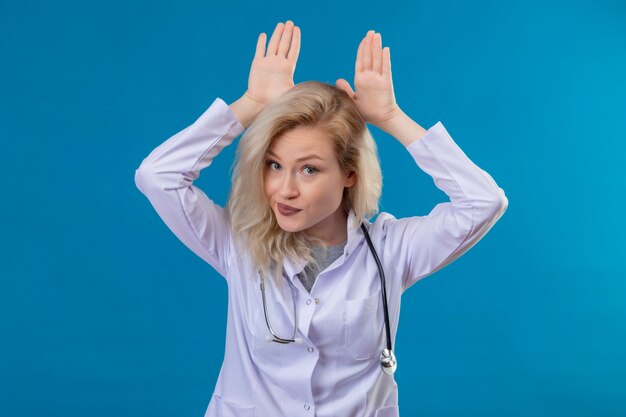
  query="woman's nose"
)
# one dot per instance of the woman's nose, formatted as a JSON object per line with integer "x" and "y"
{"x": 288, "y": 187}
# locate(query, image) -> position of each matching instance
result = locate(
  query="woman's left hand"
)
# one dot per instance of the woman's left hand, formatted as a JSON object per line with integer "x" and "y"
{"x": 374, "y": 96}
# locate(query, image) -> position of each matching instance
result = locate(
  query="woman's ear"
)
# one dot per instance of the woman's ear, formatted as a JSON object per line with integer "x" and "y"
{"x": 350, "y": 179}
{"x": 345, "y": 86}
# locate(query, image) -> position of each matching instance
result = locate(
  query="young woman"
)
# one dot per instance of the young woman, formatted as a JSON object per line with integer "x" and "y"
{"x": 314, "y": 288}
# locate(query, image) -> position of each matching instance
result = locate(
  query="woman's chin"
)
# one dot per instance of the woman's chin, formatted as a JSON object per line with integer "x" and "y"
{"x": 288, "y": 224}
{"x": 287, "y": 227}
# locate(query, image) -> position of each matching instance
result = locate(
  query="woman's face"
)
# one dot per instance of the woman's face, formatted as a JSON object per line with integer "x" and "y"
{"x": 313, "y": 185}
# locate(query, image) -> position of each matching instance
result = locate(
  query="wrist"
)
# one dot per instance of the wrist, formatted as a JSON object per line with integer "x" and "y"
{"x": 246, "y": 108}
{"x": 403, "y": 128}
{"x": 253, "y": 101}
{"x": 392, "y": 120}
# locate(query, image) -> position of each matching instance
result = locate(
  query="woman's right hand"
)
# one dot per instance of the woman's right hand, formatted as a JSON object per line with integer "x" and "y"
{"x": 271, "y": 74}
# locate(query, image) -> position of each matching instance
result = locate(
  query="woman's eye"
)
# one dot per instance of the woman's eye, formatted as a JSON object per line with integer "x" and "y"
{"x": 312, "y": 170}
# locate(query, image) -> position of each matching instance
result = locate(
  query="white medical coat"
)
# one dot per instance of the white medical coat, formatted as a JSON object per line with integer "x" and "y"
{"x": 336, "y": 370}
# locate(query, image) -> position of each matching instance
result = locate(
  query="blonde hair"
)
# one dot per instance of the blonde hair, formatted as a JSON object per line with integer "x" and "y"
{"x": 311, "y": 104}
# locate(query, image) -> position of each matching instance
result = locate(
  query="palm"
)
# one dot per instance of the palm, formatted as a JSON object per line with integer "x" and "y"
{"x": 374, "y": 96}
{"x": 271, "y": 73}
{"x": 270, "y": 77}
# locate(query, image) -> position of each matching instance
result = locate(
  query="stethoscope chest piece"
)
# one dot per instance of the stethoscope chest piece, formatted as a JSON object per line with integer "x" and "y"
{"x": 388, "y": 361}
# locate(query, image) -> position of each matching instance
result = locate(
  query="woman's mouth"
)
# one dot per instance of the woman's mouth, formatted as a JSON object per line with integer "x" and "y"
{"x": 287, "y": 210}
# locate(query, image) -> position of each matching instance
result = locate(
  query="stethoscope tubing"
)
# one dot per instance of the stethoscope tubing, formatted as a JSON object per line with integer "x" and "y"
{"x": 382, "y": 284}
{"x": 267, "y": 320}
{"x": 387, "y": 357}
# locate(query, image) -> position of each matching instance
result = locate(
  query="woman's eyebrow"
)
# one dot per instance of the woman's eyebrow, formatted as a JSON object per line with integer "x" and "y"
{"x": 312, "y": 156}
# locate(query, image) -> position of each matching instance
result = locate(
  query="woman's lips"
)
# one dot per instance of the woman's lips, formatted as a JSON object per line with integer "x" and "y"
{"x": 287, "y": 210}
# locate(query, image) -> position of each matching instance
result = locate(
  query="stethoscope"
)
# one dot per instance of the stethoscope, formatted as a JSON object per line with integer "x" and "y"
{"x": 388, "y": 361}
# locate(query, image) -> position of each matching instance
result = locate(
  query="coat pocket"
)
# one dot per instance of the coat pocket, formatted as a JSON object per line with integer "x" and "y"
{"x": 364, "y": 327}
{"x": 224, "y": 408}
{"x": 389, "y": 411}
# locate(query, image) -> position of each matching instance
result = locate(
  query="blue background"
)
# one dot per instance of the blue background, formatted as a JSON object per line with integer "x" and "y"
{"x": 104, "y": 312}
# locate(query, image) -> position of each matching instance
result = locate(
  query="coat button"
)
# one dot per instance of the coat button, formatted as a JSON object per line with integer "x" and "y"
{"x": 308, "y": 301}
{"x": 311, "y": 349}
{"x": 317, "y": 301}
{"x": 306, "y": 406}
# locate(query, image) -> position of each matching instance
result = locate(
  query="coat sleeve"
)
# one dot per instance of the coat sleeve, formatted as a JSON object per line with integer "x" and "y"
{"x": 166, "y": 178}
{"x": 425, "y": 244}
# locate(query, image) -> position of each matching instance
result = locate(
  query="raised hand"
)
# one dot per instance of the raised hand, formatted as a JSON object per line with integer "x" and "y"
{"x": 271, "y": 73}
{"x": 374, "y": 96}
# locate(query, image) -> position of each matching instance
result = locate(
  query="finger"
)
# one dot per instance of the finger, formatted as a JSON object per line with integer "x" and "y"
{"x": 367, "y": 57}
{"x": 260, "y": 46}
{"x": 285, "y": 39}
{"x": 387, "y": 63}
{"x": 359, "y": 57}
{"x": 272, "y": 48}
{"x": 377, "y": 43}
{"x": 294, "y": 50}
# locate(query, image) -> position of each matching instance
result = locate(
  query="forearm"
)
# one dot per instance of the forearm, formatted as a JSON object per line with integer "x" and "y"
{"x": 246, "y": 109}
{"x": 403, "y": 128}
{"x": 177, "y": 162}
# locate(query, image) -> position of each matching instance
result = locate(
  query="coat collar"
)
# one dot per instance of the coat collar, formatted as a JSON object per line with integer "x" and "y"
{"x": 355, "y": 235}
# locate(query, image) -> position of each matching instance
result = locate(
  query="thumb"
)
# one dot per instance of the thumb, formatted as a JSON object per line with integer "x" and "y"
{"x": 345, "y": 86}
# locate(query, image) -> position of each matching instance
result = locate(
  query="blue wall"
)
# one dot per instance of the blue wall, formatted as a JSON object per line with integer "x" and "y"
{"x": 104, "y": 312}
